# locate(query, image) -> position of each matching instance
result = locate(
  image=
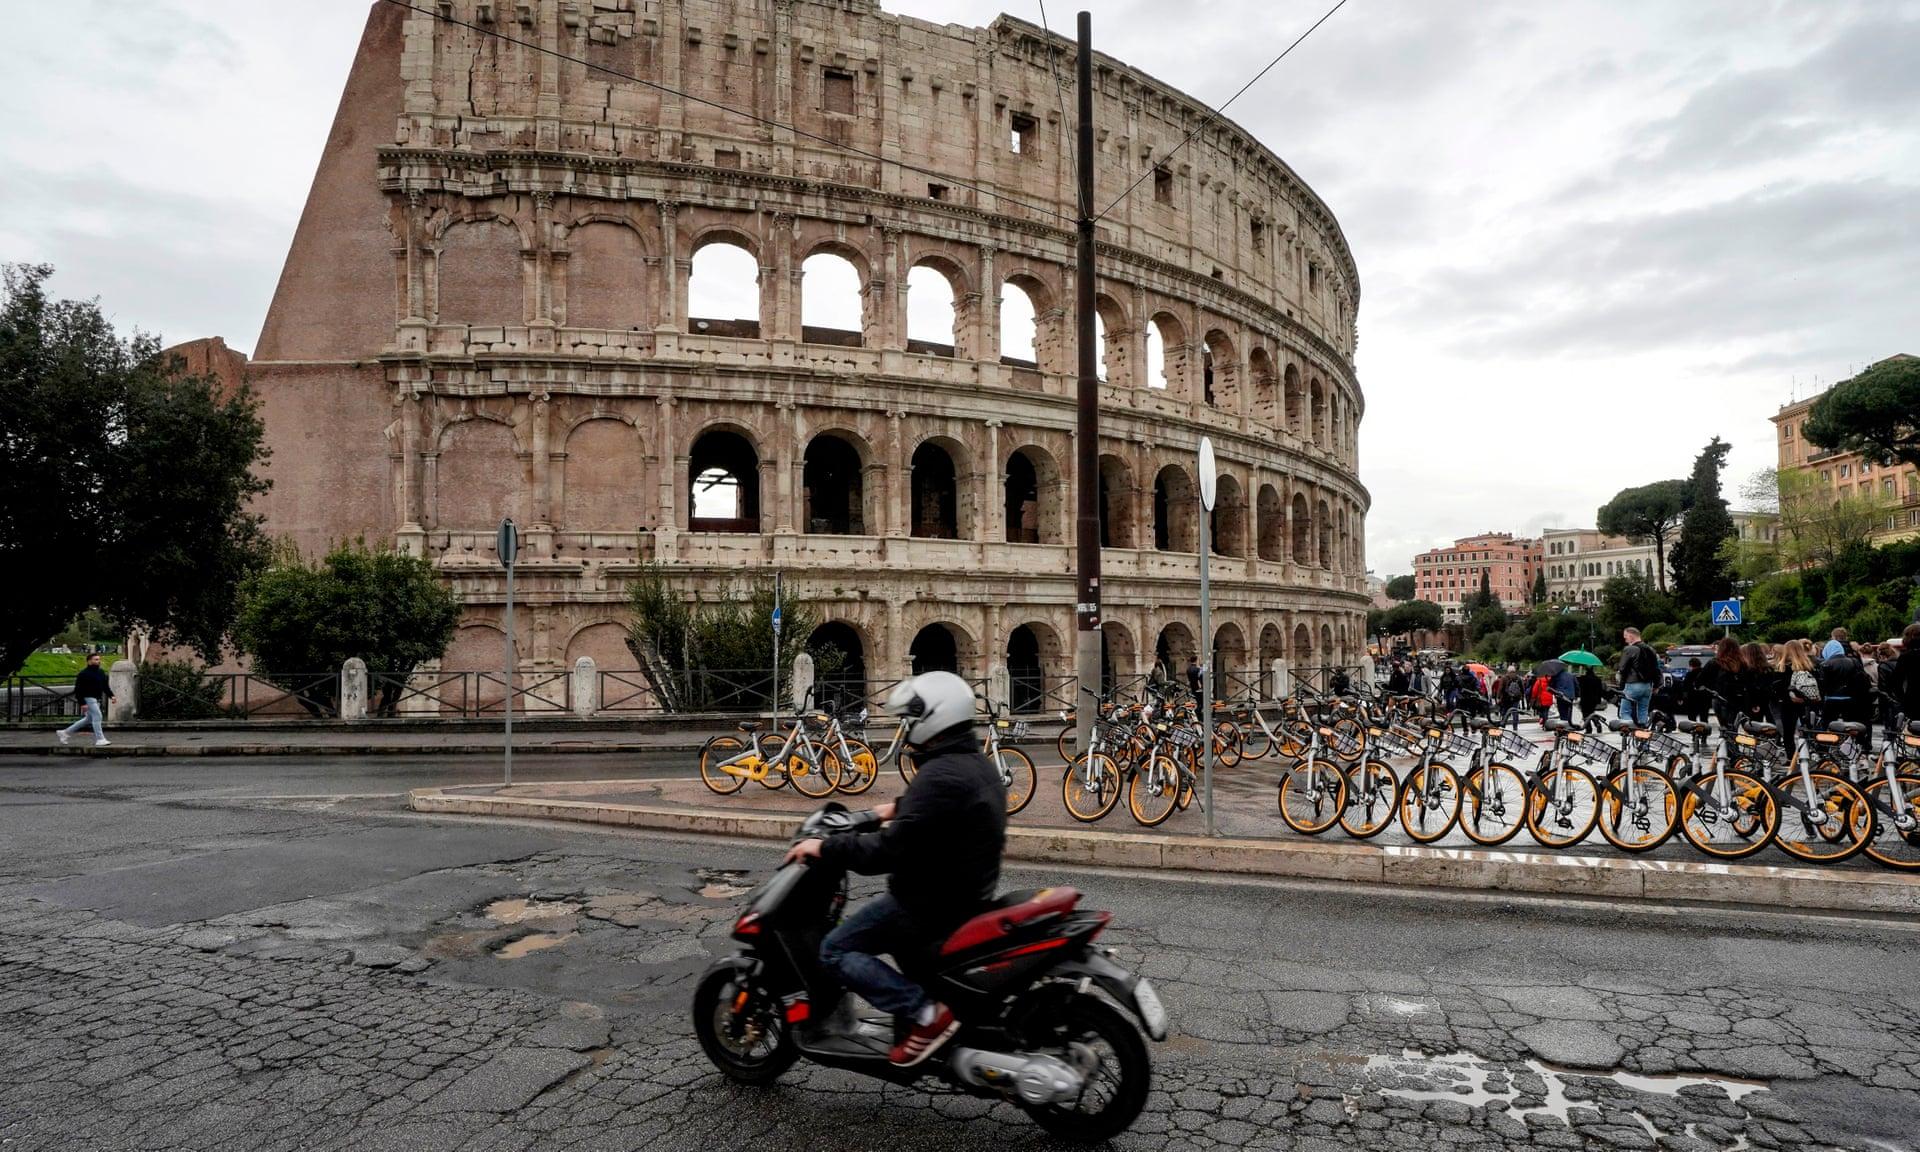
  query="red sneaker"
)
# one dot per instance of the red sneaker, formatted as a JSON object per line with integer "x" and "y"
{"x": 921, "y": 1040}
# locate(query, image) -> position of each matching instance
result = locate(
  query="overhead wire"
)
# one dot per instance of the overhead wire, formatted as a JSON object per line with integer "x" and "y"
{"x": 1053, "y": 65}
{"x": 943, "y": 177}
{"x": 1214, "y": 113}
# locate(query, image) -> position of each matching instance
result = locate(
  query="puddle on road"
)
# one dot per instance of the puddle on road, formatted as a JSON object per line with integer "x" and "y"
{"x": 518, "y": 911}
{"x": 529, "y": 944}
{"x": 1463, "y": 1077}
{"x": 723, "y": 883}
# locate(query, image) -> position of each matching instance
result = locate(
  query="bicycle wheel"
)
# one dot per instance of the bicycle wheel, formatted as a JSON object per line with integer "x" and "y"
{"x": 1090, "y": 790}
{"x": 1352, "y": 738}
{"x": 1892, "y": 845}
{"x": 1294, "y": 736}
{"x": 1735, "y": 830}
{"x": 716, "y": 752}
{"x": 1016, "y": 767}
{"x": 1152, "y": 795}
{"x": 769, "y": 745}
{"x": 1373, "y": 797}
{"x": 1068, "y": 740}
{"x": 1254, "y": 744}
{"x": 859, "y": 776}
{"x": 1226, "y": 743}
{"x": 1311, "y": 801}
{"x": 1642, "y": 822}
{"x": 1560, "y": 817}
{"x": 1430, "y": 802}
{"x": 1835, "y": 823}
{"x": 1493, "y": 804}
{"x": 814, "y": 779}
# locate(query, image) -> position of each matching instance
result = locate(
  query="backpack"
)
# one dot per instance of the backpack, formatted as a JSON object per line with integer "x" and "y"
{"x": 1646, "y": 665}
{"x": 1512, "y": 690}
{"x": 1805, "y": 686}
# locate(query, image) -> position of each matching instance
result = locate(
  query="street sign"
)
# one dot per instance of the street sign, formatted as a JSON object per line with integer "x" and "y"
{"x": 1209, "y": 478}
{"x": 507, "y": 543}
{"x": 1726, "y": 613}
{"x": 776, "y": 620}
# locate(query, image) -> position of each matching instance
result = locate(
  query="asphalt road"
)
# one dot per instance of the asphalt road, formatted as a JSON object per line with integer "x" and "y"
{"x": 272, "y": 954}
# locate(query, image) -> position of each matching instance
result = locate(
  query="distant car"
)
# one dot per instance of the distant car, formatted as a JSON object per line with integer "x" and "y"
{"x": 1680, "y": 654}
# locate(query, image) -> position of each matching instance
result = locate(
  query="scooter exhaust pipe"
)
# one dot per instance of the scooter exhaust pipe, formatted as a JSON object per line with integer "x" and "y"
{"x": 1032, "y": 1079}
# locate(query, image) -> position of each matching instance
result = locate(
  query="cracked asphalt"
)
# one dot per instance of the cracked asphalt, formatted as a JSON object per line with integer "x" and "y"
{"x": 273, "y": 955}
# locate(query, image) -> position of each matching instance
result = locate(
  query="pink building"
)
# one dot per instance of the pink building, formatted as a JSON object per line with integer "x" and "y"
{"x": 1447, "y": 576}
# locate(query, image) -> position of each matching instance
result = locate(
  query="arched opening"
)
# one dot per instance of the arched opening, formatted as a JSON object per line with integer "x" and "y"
{"x": 1116, "y": 655}
{"x": 933, "y": 327}
{"x": 1165, "y": 344}
{"x": 479, "y": 274}
{"x": 830, "y": 297}
{"x": 1340, "y": 539}
{"x": 1220, "y": 371}
{"x": 723, "y": 473}
{"x": 1272, "y": 518}
{"x": 1266, "y": 390}
{"x": 1317, "y": 414}
{"x": 480, "y": 478}
{"x": 935, "y": 648}
{"x": 1116, "y": 503}
{"x": 1175, "y": 528}
{"x": 1172, "y": 649}
{"x": 1019, "y": 325}
{"x": 602, "y": 477}
{"x": 723, "y": 291}
{"x": 1110, "y": 330}
{"x": 1026, "y": 670}
{"x": 838, "y": 644}
{"x": 1302, "y": 655}
{"x": 1302, "y": 531}
{"x": 1295, "y": 402}
{"x": 1228, "y": 523}
{"x": 936, "y": 494}
{"x": 833, "y": 492}
{"x": 1272, "y": 647}
{"x": 1031, "y": 485}
{"x": 1323, "y": 535}
{"x": 606, "y": 269}
{"x": 1231, "y": 675}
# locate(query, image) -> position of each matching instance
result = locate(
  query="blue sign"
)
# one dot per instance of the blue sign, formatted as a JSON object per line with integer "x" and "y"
{"x": 1726, "y": 613}
{"x": 776, "y": 618}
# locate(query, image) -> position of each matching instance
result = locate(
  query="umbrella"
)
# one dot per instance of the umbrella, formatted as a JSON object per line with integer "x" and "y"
{"x": 1582, "y": 656}
{"x": 1549, "y": 668}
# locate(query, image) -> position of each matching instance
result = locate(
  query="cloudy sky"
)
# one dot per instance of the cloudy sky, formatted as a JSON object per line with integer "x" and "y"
{"x": 1591, "y": 233}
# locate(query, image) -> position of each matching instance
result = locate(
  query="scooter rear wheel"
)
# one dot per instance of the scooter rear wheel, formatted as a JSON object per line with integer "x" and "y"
{"x": 1117, "y": 1089}
{"x": 741, "y": 1028}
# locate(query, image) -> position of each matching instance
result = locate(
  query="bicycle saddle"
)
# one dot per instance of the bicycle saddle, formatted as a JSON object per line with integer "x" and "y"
{"x": 1913, "y": 728}
{"x": 748, "y": 726}
{"x": 1695, "y": 727}
{"x": 1847, "y": 727}
{"x": 1758, "y": 728}
{"x": 1620, "y": 725}
{"x": 1559, "y": 726}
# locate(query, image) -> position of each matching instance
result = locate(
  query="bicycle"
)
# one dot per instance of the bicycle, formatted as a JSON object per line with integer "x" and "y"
{"x": 1493, "y": 793}
{"x": 1563, "y": 802}
{"x": 1430, "y": 801}
{"x": 1090, "y": 787}
{"x": 1639, "y": 805}
{"x": 812, "y": 768}
{"x": 1373, "y": 790}
{"x": 1014, "y": 766}
{"x": 1895, "y": 798}
{"x": 1313, "y": 787}
{"x": 1167, "y": 783}
{"x": 859, "y": 766}
{"x": 1831, "y": 821}
{"x": 1724, "y": 814}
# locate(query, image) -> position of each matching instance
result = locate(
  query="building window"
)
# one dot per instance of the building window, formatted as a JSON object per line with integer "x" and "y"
{"x": 937, "y": 191}
{"x": 837, "y": 94}
{"x": 1846, "y": 470}
{"x": 1162, "y": 186}
{"x": 1260, "y": 236}
{"x": 1786, "y": 431}
{"x": 1025, "y": 133}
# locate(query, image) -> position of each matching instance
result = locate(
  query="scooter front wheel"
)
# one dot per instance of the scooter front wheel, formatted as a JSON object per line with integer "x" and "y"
{"x": 741, "y": 1028}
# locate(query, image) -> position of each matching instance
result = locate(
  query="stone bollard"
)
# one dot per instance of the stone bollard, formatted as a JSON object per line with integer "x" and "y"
{"x": 353, "y": 689}
{"x": 423, "y": 702}
{"x": 585, "y": 689}
{"x": 1368, "y": 670}
{"x": 1282, "y": 679}
{"x": 999, "y": 686}
{"x": 123, "y": 680}
{"x": 802, "y": 681}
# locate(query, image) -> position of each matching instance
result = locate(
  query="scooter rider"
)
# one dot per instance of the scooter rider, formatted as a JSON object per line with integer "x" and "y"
{"x": 940, "y": 847}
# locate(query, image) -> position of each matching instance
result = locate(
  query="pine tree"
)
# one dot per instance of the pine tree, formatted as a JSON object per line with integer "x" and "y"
{"x": 1700, "y": 572}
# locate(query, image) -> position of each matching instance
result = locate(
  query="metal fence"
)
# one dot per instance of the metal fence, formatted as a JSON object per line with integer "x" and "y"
{"x": 40, "y": 698}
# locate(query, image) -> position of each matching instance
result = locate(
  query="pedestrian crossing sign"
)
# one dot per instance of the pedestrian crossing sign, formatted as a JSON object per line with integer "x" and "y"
{"x": 1726, "y": 613}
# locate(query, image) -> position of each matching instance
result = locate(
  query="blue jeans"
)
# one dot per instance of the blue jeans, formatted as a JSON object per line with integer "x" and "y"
{"x": 89, "y": 713}
{"x": 1634, "y": 699}
{"x": 852, "y": 951}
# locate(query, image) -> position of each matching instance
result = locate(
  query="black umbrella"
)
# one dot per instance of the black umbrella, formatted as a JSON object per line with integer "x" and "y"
{"x": 1549, "y": 668}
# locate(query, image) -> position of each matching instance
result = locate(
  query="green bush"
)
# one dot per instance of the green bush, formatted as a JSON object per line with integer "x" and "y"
{"x": 171, "y": 690}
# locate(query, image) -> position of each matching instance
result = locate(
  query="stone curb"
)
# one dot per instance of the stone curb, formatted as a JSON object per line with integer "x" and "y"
{"x": 296, "y": 749}
{"x": 1662, "y": 881}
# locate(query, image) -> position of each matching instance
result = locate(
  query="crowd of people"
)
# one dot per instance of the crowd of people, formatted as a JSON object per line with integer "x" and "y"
{"x": 1792, "y": 685}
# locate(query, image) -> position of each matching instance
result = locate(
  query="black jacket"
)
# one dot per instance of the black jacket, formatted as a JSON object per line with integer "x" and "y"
{"x": 91, "y": 684}
{"x": 942, "y": 848}
{"x": 1903, "y": 684}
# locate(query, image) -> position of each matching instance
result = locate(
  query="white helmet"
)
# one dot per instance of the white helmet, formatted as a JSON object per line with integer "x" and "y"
{"x": 930, "y": 705}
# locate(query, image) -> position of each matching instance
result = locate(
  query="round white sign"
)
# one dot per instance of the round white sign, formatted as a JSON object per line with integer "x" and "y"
{"x": 1209, "y": 478}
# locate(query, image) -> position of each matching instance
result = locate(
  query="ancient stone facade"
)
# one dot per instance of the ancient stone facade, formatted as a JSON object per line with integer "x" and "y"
{"x": 493, "y": 307}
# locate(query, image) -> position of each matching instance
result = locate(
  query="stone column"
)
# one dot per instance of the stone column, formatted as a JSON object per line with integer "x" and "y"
{"x": 542, "y": 464}
{"x": 994, "y": 512}
{"x": 672, "y": 294}
{"x": 123, "y": 682}
{"x": 787, "y": 459}
{"x": 780, "y": 283}
{"x": 900, "y": 491}
{"x": 801, "y": 680}
{"x": 353, "y": 689}
{"x": 667, "y": 523}
{"x": 988, "y": 346}
{"x": 584, "y": 689}
{"x": 888, "y": 290}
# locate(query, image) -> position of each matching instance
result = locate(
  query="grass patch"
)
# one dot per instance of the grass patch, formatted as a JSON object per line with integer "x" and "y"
{"x": 62, "y": 665}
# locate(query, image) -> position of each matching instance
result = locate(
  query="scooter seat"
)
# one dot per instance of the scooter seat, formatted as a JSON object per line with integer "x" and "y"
{"x": 1008, "y": 912}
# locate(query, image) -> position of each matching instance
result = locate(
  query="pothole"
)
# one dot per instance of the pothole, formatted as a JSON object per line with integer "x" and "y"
{"x": 532, "y": 942}
{"x": 723, "y": 883}
{"x": 1465, "y": 1078}
{"x": 518, "y": 911}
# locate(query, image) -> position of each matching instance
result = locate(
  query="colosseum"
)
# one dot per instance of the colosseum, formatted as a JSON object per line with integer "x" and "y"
{"x": 815, "y": 316}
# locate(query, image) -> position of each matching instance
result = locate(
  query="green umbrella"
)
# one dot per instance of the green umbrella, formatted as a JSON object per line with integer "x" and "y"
{"x": 1582, "y": 656}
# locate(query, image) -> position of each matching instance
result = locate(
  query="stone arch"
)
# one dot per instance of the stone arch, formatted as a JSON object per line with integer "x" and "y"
{"x": 1301, "y": 656}
{"x": 1341, "y": 538}
{"x": 1317, "y": 413}
{"x": 935, "y": 286}
{"x": 723, "y": 285}
{"x": 603, "y": 476}
{"x": 1323, "y": 535}
{"x": 1022, "y": 319}
{"x": 1219, "y": 372}
{"x": 1173, "y": 647}
{"x": 1328, "y": 655}
{"x": 1116, "y": 502}
{"x": 1302, "y": 518}
{"x": 1271, "y": 517}
{"x": 941, "y": 508}
{"x": 1266, "y": 390}
{"x": 941, "y": 646}
{"x": 478, "y": 272}
{"x": 723, "y": 481}
{"x": 834, "y": 495}
{"x": 1295, "y": 402}
{"x": 1034, "y": 656}
{"x": 833, "y": 293}
{"x": 1111, "y": 334}
{"x": 1228, "y": 524}
{"x": 846, "y": 683}
{"x": 1175, "y": 523}
{"x": 479, "y": 477}
{"x": 606, "y": 642}
{"x": 477, "y": 646}
{"x": 606, "y": 275}
{"x": 1116, "y": 654}
{"x": 1031, "y": 487}
{"x": 1166, "y": 353}
{"x": 1231, "y": 670}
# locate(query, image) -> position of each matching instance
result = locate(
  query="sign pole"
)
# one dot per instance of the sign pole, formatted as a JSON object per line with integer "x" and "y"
{"x": 1203, "y": 707}
{"x": 508, "y": 546}
{"x": 776, "y": 652}
{"x": 1086, "y": 435}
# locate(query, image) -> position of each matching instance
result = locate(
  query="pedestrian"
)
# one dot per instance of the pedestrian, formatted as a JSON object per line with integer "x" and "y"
{"x": 1798, "y": 691}
{"x": 1905, "y": 685}
{"x": 1417, "y": 679}
{"x": 1691, "y": 692}
{"x": 1593, "y": 698}
{"x": 1845, "y": 692}
{"x": 1565, "y": 690}
{"x": 1341, "y": 683}
{"x": 93, "y": 691}
{"x": 1513, "y": 696}
{"x": 1398, "y": 683}
{"x": 1449, "y": 686}
{"x": 1719, "y": 683}
{"x": 1196, "y": 680}
{"x": 1639, "y": 675}
{"x": 1835, "y": 645}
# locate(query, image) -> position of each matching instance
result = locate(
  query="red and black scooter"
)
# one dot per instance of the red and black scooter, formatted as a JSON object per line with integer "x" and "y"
{"x": 1047, "y": 1020}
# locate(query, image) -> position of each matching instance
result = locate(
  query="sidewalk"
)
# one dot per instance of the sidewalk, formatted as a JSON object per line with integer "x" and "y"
{"x": 341, "y": 739}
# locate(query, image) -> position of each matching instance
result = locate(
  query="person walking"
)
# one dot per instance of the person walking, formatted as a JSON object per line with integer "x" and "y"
{"x": 93, "y": 691}
{"x": 1639, "y": 675}
{"x": 1693, "y": 695}
{"x": 1904, "y": 685}
{"x": 1719, "y": 683}
{"x": 1196, "y": 679}
{"x": 1593, "y": 697}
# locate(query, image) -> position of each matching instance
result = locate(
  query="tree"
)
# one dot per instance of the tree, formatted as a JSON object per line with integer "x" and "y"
{"x": 1631, "y": 601}
{"x": 1876, "y": 413}
{"x": 1700, "y": 571}
{"x": 1648, "y": 512}
{"x": 1486, "y": 621}
{"x": 715, "y": 651}
{"x": 1413, "y": 616}
{"x": 1814, "y": 527}
{"x": 301, "y": 622}
{"x": 1400, "y": 588}
{"x": 1540, "y": 586}
{"x": 127, "y": 480}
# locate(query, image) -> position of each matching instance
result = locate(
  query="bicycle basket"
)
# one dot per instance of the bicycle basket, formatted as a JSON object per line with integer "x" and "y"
{"x": 1343, "y": 743}
{"x": 1514, "y": 746}
{"x": 1662, "y": 744}
{"x": 1018, "y": 730}
{"x": 1459, "y": 743}
{"x": 1184, "y": 738}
